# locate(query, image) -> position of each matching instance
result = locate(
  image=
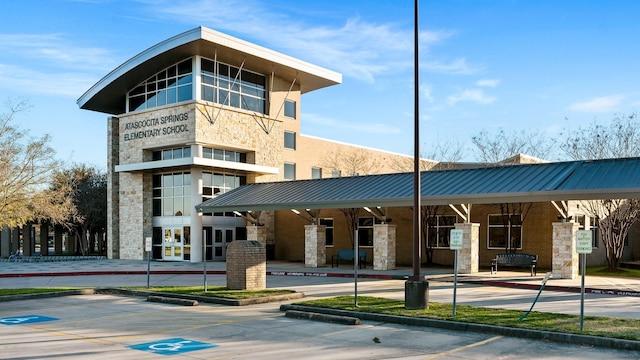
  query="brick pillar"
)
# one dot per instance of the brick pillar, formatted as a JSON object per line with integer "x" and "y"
{"x": 468, "y": 255}
{"x": 565, "y": 258}
{"x": 315, "y": 240}
{"x": 384, "y": 247}
{"x": 246, "y": 265}
{"x": 44, "y": 239}
{"x": 257, "y": 233}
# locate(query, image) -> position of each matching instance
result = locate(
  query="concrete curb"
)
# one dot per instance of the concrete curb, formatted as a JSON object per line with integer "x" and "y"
{"x": 203, "y": 299}
{"x": 44, "y": 295}
{"x": 335, "y": 319}
{"x": 487, "y": 329}
{"x": 173, "y": 301}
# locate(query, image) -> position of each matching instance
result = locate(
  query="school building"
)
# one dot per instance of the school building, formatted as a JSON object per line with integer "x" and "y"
{"x": 203, "y": 113}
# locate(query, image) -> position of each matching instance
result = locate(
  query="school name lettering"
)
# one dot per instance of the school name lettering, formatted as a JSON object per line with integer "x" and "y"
{"x": 164, "y": 125}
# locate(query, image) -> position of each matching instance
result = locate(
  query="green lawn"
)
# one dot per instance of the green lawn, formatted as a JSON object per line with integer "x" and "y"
{"x": 6, "y": 292}
{"x": 597, "y": 326}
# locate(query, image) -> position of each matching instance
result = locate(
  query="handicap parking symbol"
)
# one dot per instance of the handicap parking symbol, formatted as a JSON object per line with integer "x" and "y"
{"x": 172, "y": 346}
{"x": 25, "y": 319}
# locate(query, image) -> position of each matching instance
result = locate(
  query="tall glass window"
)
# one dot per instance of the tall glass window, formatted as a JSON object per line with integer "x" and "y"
{"x": 171, "y": 85}
{"x": 228, "y": 85}
{"x": 440, "y": 230}
{"x": 172, "y": 194}
{"x": 505, "y": 231}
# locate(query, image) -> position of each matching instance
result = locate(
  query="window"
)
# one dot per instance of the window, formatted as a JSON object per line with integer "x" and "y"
{"x": 214, "y": 184}
{"x": 505, "y": 231}
{"x": 329, "y": 231}
{"x": 440, "y": 230}
{"x": 290, "y": 109}
{"x": 172, "y": 153}
{"x": 592, "y": 224}
{"x": 336, "y": 173}
{"x": 227, "y": 85}
{"x": 316, "y": 173}
{"x": 289, "y": 140}
{"x": 289, "y": 171}
{"x": 224, "y": 155}
{"x": 172, "y": 194}
{"x": 169, "y": 86}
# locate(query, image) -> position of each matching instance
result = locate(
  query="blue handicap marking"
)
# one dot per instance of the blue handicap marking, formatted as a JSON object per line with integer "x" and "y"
{"x": 172, "y": 346}
{"x": 25, "y": 319}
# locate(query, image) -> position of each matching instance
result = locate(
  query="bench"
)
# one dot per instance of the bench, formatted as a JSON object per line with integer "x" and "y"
{"x": 515, "y": 259}
{"x": 347, "y": 255}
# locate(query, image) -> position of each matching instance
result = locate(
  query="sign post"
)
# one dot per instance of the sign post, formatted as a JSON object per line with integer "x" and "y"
{"x": 147, "y": 248}
{"x": 583, "y": 247}
{"x": 455, "y": 243}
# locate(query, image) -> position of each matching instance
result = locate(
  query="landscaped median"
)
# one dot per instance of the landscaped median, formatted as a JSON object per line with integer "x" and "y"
{"x": 597, "y": 331}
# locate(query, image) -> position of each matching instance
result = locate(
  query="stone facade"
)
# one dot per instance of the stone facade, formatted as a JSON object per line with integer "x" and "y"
{"x": 565, "y": 257}
{"x": 384, "y": 247}
{"x": 246, "y": 265}
{"x": 257, "y": 233}
{"x": 315, "y": 254}
{"x": 468, "y": 255}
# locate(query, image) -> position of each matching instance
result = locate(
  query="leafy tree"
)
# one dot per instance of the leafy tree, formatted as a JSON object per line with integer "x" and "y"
{"x": 26, "y": 166}
{"x": 618, "y": 139}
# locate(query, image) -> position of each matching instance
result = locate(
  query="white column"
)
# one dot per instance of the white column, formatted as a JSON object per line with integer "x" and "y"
{"x": 196, "y": 219}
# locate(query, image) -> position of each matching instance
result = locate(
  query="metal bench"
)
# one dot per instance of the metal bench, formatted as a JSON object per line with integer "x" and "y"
{"x": 347, "y": 255}
{"x": 515, "y": 259}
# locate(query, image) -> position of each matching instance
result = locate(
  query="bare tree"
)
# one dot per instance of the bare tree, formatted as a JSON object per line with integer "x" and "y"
{"x": 26, "y": 166}
{"x": 493, "y": 149}
{"x": 351, "y": 162}
{"x": 618, "y": 139}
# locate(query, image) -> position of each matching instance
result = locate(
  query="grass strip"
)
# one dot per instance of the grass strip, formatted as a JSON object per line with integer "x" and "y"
{"x": 217, "y": 291}
{"x": 23, "y": 291}
{"x": 617, "y": 328}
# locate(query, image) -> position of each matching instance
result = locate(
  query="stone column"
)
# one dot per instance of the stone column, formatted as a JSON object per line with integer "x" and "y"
{"x": 564, "y": 264}
{"x": 15, "y": 239}
{"x": 468, "y": 255}
{"x": 257, "y": 233}
{"x": 315, "y": 240}
{"x": 384, "y": 247}
{"x": 195, "y": 247}
{"x": 246, "y": 265}
{"x": 113, "y": 188}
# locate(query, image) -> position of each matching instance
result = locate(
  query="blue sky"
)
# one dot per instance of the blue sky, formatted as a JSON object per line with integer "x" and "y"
{"x": 543, "y": 65}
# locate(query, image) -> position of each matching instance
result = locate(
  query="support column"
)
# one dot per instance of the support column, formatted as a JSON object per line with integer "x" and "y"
{"x": 196, "y": 219}
{"x": 565, "y": 258}
{"x": 27, "y": 240}
{"x": 257, "y": 233}
{"x": 15, "y": 239}
{"x": 468, "y": 255}
{"x": 384, "y": 247}
{"x": 71, "y": 244}
{"x": 57, "y": 240}
{"x": 315, "y": 240}
{"x": 5, "y": 242}
{"x": 44, "y": 239}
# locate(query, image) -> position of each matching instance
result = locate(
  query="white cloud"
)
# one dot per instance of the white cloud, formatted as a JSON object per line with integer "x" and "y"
{"x": 488, "y": 83}
{"x": 471, "y": 95}
{"x": 18, "y": 78}
{"x": 458, "y": 66}
{"x": 599, "y": 104}
{"x": 426, "y": 92}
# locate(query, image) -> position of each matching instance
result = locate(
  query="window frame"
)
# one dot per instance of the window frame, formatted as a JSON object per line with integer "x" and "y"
{"x": 289, "y": 167}
{"x": 442, "y": 231}
{"x": 290, "y": 140}
{"x": 329, "y": 231}
{"x": 290, "y": 108}
{"x": 509, "y": 233}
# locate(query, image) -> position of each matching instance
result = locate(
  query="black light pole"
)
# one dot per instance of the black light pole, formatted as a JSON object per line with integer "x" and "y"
{"x": 416, "y": 288}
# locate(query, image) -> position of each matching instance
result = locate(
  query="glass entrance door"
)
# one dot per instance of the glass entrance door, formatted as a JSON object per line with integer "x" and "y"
{"x": 221, "y": 239}
{"x": 172, "y": 244}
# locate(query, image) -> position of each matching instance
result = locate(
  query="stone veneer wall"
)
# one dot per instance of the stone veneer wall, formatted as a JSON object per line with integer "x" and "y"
{"x": 246, "y": 265}
{"x": 565, "y": 257}
{"x": 315, "y": 239}
{"x": 257, "y": 233}
{"x": 384, "y": 247}
{"x": 468, "y": 255}
{"x": 113, "y": 189}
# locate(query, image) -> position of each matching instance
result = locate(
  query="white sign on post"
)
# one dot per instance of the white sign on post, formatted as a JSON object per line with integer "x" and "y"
{"x": 456, "y": 239}
{"x": 147, "y": 244}
{"x": 583, "y": 242}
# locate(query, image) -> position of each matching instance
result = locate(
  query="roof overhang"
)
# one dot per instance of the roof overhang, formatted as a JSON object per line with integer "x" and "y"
{"x": 108, "y": 95}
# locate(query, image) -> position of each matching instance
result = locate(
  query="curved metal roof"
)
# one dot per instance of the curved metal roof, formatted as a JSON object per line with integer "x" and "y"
{"x": 109, "y": 94}
{"x": 574, "y": 180}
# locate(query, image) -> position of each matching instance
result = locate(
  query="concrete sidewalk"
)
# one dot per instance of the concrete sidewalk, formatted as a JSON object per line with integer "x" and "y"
{"x": 515, "y": 279}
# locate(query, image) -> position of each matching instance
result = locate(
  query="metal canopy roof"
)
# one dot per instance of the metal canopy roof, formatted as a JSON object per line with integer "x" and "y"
{"x": 574, "y": 180}
{"x": 109, "y": 94}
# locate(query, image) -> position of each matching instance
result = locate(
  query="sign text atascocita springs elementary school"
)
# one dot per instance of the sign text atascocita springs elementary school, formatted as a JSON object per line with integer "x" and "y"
{"x": 157, "y": 126}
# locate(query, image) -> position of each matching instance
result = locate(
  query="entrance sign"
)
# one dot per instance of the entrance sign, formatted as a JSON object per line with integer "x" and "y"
{"x": 25, "y": 319}
{"x": 583, "y": 242}
{"x": 172, "y": 346}
{"x": 456, "y": 239}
